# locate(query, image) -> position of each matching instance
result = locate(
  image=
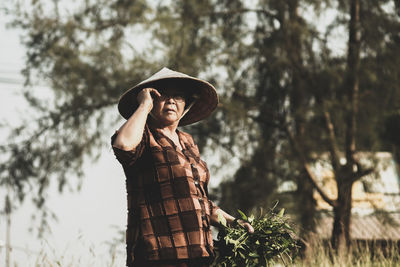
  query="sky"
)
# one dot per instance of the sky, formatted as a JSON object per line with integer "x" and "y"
{"x": 88, "y": 219}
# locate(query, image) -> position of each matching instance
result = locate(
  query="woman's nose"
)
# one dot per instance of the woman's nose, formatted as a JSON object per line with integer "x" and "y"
{"x": 170, "y": 99}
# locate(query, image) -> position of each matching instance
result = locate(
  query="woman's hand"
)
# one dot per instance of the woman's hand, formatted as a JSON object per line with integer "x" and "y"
{"x": 131, "y": 132}
{"x": 145, "y": 97}
{"x": 230, "y": 220}
{"x": 246, "y": 225}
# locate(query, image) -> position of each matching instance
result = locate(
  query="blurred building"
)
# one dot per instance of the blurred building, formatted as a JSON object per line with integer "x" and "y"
{"x": 376, "y": 200}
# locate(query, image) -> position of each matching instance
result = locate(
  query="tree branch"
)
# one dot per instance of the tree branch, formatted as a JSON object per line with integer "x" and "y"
{"x": 333, "y": 147}
{"x": 360, "y": 172}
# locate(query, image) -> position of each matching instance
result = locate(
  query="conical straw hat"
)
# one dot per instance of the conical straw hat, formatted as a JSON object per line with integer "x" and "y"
{"x": 206, "y": 95}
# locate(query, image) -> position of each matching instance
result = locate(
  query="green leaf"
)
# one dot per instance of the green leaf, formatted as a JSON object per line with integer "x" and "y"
{"x": 251, "y": 218}
{"x": 253, "y": 255}
{"x": 281, "y": 212}
{"x": 241, "y": 255}
{"x": 287, "y": 226}
{"x": 244, "y": 217}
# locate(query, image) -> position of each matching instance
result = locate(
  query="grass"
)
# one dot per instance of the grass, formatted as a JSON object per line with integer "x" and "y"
{"x": 360, "y": 255}
{"x": 85, "y": 254}
{"x": 80, "y": 253}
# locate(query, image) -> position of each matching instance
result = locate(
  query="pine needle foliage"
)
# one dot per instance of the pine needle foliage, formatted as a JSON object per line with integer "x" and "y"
{"x": 272, "y": 241}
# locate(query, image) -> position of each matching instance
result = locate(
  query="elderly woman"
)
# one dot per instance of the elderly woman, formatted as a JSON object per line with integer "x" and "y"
{"x": 169, "y": 212}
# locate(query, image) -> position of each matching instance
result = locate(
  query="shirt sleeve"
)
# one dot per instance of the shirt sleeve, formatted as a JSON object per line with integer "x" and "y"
{"x": 129, "y": 157}
{"x": 213, "y": 207}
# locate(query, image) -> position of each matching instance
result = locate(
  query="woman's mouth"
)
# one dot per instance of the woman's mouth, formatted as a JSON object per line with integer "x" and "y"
{"x": 169, "y": 110}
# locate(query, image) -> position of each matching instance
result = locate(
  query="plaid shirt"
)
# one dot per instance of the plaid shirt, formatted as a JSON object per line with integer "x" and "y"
{"x": 168, "y": 205}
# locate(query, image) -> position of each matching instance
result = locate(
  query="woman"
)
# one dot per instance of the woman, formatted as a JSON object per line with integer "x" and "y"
{"x": 169, "y": 213}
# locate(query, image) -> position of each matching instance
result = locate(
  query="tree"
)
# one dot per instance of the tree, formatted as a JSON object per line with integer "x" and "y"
{"x": 316, "y": 101}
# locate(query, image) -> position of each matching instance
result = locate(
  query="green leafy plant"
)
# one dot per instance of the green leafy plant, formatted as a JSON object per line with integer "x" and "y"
{"x": 272, "y": 240}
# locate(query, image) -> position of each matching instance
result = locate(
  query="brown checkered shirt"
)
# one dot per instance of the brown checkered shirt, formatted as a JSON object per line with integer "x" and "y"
{"x": 168, "y": 206}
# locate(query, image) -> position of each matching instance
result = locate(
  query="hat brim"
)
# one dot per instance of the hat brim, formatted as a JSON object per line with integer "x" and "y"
{"x": 206, "y": 97}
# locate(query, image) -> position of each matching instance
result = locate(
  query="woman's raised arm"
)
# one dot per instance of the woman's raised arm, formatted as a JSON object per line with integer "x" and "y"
{"x": 131, "y": 132}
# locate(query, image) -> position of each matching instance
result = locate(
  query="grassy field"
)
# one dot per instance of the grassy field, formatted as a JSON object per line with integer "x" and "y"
{"x": 319, "y": 256}
{"x": 370, "y": 255}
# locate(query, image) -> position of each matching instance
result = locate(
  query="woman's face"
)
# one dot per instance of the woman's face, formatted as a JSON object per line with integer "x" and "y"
{"x": 169, "y": 108}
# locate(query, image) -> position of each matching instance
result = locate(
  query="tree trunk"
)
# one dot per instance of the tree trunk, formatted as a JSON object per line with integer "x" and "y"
{"x": 345, "y": 179}
{"x": 298, "y": 97}
{"x": 342, "y": 214}
{"x": 306, "y": 204}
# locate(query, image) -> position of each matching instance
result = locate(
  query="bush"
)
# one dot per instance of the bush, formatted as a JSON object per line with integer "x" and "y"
{"x": 272, "y": 240}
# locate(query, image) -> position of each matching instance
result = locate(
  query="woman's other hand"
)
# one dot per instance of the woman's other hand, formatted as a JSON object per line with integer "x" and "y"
{"x": 245, "y": 225}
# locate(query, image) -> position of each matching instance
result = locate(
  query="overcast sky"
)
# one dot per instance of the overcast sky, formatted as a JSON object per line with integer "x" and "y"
{"x": 86, "y": 219}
